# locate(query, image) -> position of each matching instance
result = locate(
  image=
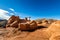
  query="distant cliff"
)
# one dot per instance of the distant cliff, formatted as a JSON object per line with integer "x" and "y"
{"x": 3, "y": 22}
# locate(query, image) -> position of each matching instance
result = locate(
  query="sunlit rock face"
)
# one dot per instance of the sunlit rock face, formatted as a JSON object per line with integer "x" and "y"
{"x": 54, "y": 28}
{"x": 33, "y": 25}
{"x": 28, "y": 26}
{"x": 55, "y": 36}
{"x": 45, "y": 22}
{"x": 13, "y": 21}
{"x": 23, "y": 24}
{"x": 52, "y": 32}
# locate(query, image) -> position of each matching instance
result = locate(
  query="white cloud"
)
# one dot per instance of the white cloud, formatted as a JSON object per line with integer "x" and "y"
{"x": 12, "y": 13}
{"x": 3, "y": 11}
{"x": 6, "y": 14}
{"x": 12, "y": 9}
{"x": 3, "y": 14}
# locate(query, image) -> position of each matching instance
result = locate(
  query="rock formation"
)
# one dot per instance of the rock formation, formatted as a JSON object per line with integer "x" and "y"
{"x": 50, "y": 32}
{"x": 33, "y": 25}
{"x": 13, "y": 21}
{"x": 28, "y": 26}
{"x": 23, "y": 24}
{"x": 54, "y": 31}
{"x": 54, "y": 27}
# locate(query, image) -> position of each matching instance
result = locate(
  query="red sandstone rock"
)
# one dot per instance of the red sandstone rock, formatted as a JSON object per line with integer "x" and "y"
{"x": 33, "y": 25}
{"x": 54, "y": 28}
{"x": 24, "y": 26}
{"x": 13, "y": 21}
{"x": 28, "y": 26}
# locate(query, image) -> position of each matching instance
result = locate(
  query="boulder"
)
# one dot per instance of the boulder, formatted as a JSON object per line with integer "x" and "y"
{"x": 33, "y": 25}
{"x": 28, "y": 26}
{"x": 14, "y": 24}
{"x": 24, "y": 26}
{"x": 13, "y": 21}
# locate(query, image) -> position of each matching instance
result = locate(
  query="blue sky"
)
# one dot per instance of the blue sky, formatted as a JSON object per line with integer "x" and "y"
{"x": 33, "y": 8}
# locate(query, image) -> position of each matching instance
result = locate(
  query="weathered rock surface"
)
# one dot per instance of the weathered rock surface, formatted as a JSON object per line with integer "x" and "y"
{"x": 13, "y": 21}
{"x": 55, "y": 36}
{"x": 54, "y": 31}
{"x": 54, "y": 27}
{"x": 21, "y": 29}
{"x": 39, "y": 34}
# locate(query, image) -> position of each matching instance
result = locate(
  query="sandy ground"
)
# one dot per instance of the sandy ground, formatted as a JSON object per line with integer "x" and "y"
{"x": 10, "y": 34}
